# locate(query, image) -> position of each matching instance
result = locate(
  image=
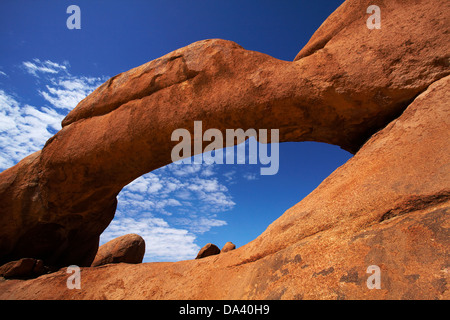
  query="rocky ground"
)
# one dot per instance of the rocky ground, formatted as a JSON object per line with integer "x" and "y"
{"x": 381, "y": 94}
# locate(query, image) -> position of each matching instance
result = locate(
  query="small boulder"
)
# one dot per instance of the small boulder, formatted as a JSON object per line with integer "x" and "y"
{"x": 208, "y": 250}
{"x": 129, "y": 248}
{"x": 228, "y": 247}
{"x": 24, "y": 268}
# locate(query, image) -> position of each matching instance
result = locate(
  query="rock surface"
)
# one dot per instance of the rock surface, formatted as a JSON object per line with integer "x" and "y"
{"x": 208, "y": 250}
{"x": 23, "y": 268}
{"x": 129, "y": 248}
{"x": 384, "y": 207}
{"x": 347, "y": 83}
{"x": 387, "y": 206}
{"x": 228, "y": 247}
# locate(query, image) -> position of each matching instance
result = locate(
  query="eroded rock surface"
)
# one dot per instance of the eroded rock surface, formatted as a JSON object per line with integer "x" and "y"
{"x": 129, "y": 248}
{"x": 208, "y": 249}
{"x": 22, "y": 269}
{"x": 384, "y": 207}
{"x": 228, "y": 247}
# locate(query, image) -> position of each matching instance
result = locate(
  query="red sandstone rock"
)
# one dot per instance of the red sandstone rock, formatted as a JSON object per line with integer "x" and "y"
{"x": 208, "y": 250}
{"x": 387, "y": 206}
{"x": 339, "y": 92}
{"x": 23, "y": 268}
{"x": 228, "y": 247}
{"x": 384, "y": 207}
{"x": 129, "y": 248}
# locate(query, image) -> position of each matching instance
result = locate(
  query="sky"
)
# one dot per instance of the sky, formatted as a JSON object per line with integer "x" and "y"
{"x": 46, "y": 69}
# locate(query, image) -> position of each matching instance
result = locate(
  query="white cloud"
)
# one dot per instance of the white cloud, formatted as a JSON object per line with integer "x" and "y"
{"x": 64, "y": 91}
{"x": 200, "y": 225}
{"x": 3, "y": 74}
{"x": 208, "y": 170}
{"x": 182, "y": 170}
{"x": 185, "y": 196}
{"x": 155, "y": 187}
{"x": 24, "y": 129}
{"x": 140, "y": 185}
{"x": 203, "y": 185}
{"x": 213, "y": 195}
{"x": 162, "y": 188}
{"x": 230, "y": 176}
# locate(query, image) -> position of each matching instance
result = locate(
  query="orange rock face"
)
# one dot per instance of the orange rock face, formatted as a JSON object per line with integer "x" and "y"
{"x": 129, "y": 248}
{"x": 387, "y": 206}
{"x": 208, "y": 250}
{"x": 228, "y": 247}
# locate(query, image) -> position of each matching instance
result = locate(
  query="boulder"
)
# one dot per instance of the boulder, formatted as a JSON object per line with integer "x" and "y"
{"x": 346, "y": 84}
{"x": 228, "y": 247}
{"x": 129, "y": 248}
{"x": 208, "y": 250}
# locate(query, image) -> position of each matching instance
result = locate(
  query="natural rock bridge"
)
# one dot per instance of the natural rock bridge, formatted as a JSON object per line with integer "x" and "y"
{"x": 346, "y": 84}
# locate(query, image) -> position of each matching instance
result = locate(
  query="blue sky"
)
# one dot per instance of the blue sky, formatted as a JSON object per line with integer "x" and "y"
{"x": 46, "y": 69}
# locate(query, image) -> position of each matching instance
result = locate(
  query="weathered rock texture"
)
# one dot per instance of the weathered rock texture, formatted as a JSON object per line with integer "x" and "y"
{"x": 228, "y": 247}
{"x": 129, "y": 248}
{"x": 384, "y": 207}
{"x": 387, "y": 206}
{"x": 208, "y": 250}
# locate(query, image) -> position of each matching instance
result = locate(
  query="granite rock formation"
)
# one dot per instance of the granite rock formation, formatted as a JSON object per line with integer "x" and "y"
{"x": 22, "y": 269}
{"x": 384, "y": 207}
{"x": 208, "y": 250}
{"x": 129, "y": 248}
{"x": 228, "y": 247}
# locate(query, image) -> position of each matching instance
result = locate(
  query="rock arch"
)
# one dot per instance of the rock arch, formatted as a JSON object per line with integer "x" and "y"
{"x": 347, "y": 83}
